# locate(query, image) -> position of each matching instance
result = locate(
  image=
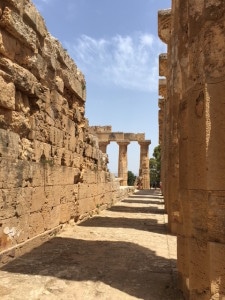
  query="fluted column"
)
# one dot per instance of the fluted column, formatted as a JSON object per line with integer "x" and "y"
{"x": 122, "y": 164}
{"x": 144, "y": 163}
{"x": 103, "y": 145}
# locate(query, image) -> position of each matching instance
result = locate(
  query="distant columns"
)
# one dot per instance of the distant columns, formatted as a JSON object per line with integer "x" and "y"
{"x": 103, "y": 145}
{"x": 122, "y": 163}
{"x": 144, "y": 163}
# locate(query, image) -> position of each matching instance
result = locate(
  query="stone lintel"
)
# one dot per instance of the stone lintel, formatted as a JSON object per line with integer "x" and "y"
{"x": 163, "y": 64}
{"x": 134, "y": 136}
{"x": 98, "y": 129}
{"x": 107, "y": 136}
{"x": 103, "y": 146}
{"x": 118, "y": 136}
{"x": 164, "y": 25}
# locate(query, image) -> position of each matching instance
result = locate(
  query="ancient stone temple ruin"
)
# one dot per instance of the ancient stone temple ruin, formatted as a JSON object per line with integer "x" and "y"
{"x": 52, "y": 170}
{"x": 105, "y": 136}
{"x": 191, "y": 132}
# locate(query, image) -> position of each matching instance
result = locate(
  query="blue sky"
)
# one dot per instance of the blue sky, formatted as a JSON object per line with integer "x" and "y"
{"x": 116, "y": 46}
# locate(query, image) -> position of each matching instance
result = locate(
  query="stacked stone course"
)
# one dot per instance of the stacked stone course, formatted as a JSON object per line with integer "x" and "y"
{"x": 193, "y": 142}
{"x": 52, "y": 170}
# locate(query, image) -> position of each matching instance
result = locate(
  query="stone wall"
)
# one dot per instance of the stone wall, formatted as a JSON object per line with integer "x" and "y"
{"x": 52, "y": 170}
{"x": 195, "y": 101}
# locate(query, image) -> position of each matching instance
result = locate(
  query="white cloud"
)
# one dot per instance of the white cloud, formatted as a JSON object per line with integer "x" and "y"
{"x": 130, "y": 62}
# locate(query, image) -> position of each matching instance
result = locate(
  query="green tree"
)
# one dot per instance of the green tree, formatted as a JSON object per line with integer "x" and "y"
{"x": 155, "y": 166}
{"x": 130, "y": 178}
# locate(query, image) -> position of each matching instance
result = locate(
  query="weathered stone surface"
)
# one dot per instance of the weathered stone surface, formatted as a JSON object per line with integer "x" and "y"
{"x": 13, "y": 22}
{"x": 7, "y": 96}
{"x": 192, "y": 137}
{"x": 38, "y": 23}
{"x": 141, "y": 258}
{"x": 52, "y": 170}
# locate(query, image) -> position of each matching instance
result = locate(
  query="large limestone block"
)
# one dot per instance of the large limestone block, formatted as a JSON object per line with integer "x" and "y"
{"x": 214, "y": 35}
{"x": 163, "y": 64}
{"x": 84, "y": 190}
{"x": 65, "y": 213}
{"x": 15, "y": 25}
{"x": 164, "y": 25}
{"x": 215, "y": 127}
{"x": 58, "y": 175}
{"x": 193, "y": 140}
{"x": 185, "y": 222}
{"x": 60, "y": 84}
{"x": 183, "y": 257}
{"x": 11, "y": 48}
{"x": 51, "y": 216}
{"x": 37, "y": 21}
{"x": 75, "y": 82}
{"x": 22, "y": 103}
{"x": 38, "y": 199}
{"x": 86, "y": 205}
{"x": 199, "y": 269}
{"x": 22, "y": 78}
{"x": 9, "y": 144}
{"x": 7, "y": 204}
{"x": 67, "y": 124}
{"x": 56, "y": 136}
{"x": 22, "y": 233}
{"x": 17, "y": 5}
{"x": 49, "y": 52}
{"x": 36, "y": 224}
{"x": 216, "y": 216}
{"x": 20, "y": 124}
{"x": 16, "y": 173}
{"x": 23, "y": 197}
{"x": 92, "y": 178}
{"x": 7, "y": 95}
{"x": 42, "y": 152}
{"x": 217, "y": 270}
{"x": 198, "y": 203}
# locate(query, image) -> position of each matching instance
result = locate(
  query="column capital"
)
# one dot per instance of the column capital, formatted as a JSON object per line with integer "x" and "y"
{"x": 123, "y": 142}
{"x": 144, "y": 143}
{"x": 164, "y": 25}
{"x": 104, "y": 143}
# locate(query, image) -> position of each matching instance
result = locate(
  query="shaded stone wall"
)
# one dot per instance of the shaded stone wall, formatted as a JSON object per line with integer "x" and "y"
{"x": 52, "y": 170}
{"x": 195, "y": 87}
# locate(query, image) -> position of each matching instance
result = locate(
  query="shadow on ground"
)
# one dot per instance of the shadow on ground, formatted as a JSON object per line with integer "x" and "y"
{"x": 125, "y": 266}
{"x": 144, "y": 210}
{"x": 128, "y": 267}
{"x": 142, "y": 201}
{"x": 134, "y": 223}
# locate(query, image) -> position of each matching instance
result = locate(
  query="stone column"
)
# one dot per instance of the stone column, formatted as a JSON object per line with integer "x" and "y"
{"x": 170, "y": 89}
{"x": 103, "y": 146}
{"x": 122, "y": 164}
{"x": 144, "y": 163}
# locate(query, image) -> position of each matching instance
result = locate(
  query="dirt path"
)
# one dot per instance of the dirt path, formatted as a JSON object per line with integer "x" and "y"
{"x": 123, "y": 253}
